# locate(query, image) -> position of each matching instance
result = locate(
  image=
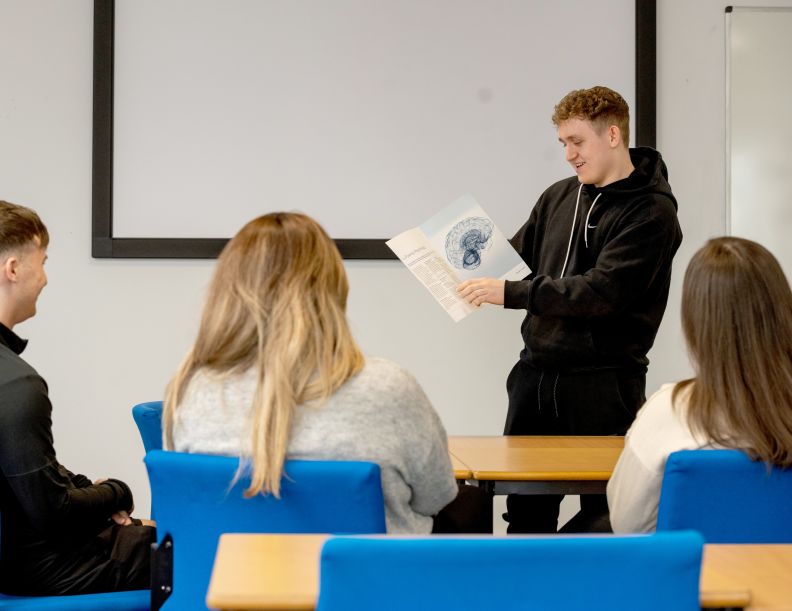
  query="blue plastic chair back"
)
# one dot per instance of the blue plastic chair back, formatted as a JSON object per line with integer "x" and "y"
{"x": 514, "y": 573}
{"x": 195, "y": 504}
{"x": 726, "y": 496}
{"x": 148, "y": 417}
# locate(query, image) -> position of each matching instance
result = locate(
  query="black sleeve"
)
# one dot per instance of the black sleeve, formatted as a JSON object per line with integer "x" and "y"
{"x": 625, "y": 268}
{"x": 51, "y": 497}
{"x": 523, "y": 240}
{"x": 77, "y": 479}
{"x": 515, "y": 291}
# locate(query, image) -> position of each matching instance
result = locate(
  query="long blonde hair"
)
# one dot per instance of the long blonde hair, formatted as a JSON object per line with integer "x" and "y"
{"x": 277, "y": 303}
{"x": 737, "y": 320}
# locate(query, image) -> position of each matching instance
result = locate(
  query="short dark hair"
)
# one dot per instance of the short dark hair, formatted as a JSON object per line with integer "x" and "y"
{"x": 19, "y": 226}
{"x": 600, "y": 105}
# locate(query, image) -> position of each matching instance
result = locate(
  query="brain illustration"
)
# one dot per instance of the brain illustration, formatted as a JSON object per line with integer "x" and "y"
{"x": 466, "y": 240}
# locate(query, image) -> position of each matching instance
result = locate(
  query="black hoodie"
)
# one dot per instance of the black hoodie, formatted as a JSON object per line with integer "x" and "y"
{"x": 605, "y": 310}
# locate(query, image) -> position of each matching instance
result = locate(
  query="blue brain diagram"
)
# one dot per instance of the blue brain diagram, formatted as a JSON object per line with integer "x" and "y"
{"x": 466, "y": 241}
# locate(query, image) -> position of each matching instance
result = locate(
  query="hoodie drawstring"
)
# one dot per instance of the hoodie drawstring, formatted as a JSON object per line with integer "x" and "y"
{"x": 571, "y": 233}
{"x": 588, "y": 216}
{"x": 574, "y": 222}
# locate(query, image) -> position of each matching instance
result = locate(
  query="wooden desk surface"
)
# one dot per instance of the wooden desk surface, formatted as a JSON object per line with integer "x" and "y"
{"x": 281, "y": 572}
{"x": 764, "y": 571}
{"x": 538, "y": 458}
{"x": 461, "y": 470}
{"x": 274, "y": 572}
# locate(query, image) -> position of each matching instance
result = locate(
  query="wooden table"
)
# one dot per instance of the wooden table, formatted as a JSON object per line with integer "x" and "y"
{"x": 764, "y": 572}
{"x": 538, "y": 465}
{"x": 266, "y": 572}
{"x": 281, "y": 572}
{"x": 461, "y": 471}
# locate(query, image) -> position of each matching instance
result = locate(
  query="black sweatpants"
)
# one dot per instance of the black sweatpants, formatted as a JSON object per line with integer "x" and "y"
{"x": 117, "y": 558}
{"x": 600, "y": 402}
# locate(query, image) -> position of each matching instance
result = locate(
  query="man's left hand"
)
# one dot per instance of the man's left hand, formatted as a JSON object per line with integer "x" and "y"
{"x": 482, "y": 290}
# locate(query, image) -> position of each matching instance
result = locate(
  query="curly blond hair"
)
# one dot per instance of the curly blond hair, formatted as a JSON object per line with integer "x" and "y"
{"x": 600, "y": 105}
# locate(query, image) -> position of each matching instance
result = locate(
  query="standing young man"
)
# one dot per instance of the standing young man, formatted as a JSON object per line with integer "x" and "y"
{"x": 600, "y": 246}
{"x": 60, "y": 532}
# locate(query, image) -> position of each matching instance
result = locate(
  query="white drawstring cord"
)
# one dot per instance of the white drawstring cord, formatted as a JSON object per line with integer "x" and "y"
{"x": 555, "y": 401}
{"x": 571, "y": 233}
{"x": 588, "y": 216}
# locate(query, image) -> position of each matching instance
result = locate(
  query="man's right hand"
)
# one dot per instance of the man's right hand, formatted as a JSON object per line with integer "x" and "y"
{"x": 478, "y": 291}
{"x": 121, "y": 518}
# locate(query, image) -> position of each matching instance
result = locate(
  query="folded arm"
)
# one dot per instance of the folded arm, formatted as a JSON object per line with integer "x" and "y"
{"x": 49, "y": 495}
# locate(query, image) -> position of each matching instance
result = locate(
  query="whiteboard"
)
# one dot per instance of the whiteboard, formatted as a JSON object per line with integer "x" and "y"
{"x": 369, "y": 115}
{"x": 759, "y": 130}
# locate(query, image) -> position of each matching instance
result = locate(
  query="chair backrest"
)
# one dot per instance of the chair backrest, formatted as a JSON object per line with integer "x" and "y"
{"x": 514, "y": 573}
{"x": 195, "y": 503}
{"x": 726, "y": 496}
{"x": 148, "y": 417}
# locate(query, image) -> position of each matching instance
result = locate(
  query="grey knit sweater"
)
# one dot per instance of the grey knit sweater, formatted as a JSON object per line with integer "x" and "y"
{"x": 380, "y": 415}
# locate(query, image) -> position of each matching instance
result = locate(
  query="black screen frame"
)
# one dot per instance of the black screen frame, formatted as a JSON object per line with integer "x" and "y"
{"x": 105, "y": 246}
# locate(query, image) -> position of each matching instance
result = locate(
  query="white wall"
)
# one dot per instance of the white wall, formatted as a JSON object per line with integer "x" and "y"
{"x": 109, "y": 333}
{"x": 759, "y": 166}
{"x": 691, "y": 86}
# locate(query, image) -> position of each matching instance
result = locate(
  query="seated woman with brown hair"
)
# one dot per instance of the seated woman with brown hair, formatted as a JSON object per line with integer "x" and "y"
{"x": 737, "y": 321}
{"x": 275, "y": 374}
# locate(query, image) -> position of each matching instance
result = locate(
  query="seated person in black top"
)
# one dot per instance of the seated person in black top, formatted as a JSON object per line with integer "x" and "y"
{"x": 60, "y": 533}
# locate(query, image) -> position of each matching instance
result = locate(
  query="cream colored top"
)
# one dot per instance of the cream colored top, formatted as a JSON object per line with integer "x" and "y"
{"x": 634, "y": 487}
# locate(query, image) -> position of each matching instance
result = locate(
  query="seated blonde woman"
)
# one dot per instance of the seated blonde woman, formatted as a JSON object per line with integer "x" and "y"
{"x": 737, "y": 320}
{"x": 275, "y": 374}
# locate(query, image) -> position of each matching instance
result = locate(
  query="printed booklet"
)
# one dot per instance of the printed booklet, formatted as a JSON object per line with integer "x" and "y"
{"x": 458, "y": 243}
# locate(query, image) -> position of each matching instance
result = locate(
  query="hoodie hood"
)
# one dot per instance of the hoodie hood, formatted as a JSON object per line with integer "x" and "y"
{"x": 650, "y": 176}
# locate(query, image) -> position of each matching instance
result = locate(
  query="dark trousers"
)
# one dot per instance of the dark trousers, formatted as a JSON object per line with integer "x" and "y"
{"x": 469, "y": 513}
{"x": 601, "y": 402}
{"x": 117, "y": 558}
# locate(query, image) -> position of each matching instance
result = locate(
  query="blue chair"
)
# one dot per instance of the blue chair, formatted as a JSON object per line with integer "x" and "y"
{"x": 726, "y": 496}
{"x": 195, "y": 503}
{"x": 148, "y": 417}
{"x": 135, "y": 600}
{"x": 514, "y": 573}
